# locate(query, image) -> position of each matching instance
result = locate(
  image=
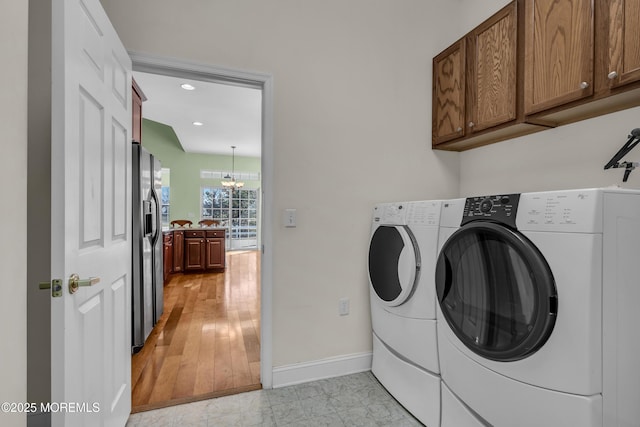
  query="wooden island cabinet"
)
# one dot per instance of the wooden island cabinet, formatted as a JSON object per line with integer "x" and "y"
{"x": 178, "y": 251}
{"x": 215, "y": 252}
{"x": 194, "y": 250}
{"x": 167, "y": 239}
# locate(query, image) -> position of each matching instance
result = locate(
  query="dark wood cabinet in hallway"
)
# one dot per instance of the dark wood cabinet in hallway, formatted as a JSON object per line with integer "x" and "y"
{"x": 207, "y": 342}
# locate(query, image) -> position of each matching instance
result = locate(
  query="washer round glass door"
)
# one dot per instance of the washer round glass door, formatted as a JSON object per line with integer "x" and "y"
{"x": 496, "y": 291}
{"x": 394, "y": 264}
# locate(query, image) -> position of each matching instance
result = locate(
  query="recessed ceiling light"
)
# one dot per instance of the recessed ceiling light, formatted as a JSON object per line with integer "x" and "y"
{"x": 198, "y": 123}
{"x": 187, "y": 86}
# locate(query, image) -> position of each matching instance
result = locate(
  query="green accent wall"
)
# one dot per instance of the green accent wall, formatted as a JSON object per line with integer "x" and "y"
{"x": 163, "y": 143}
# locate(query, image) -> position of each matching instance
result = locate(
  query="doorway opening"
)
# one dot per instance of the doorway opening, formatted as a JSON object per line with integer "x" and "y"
{"x": 206, "y": 344}
{"x": 245, "y": 268}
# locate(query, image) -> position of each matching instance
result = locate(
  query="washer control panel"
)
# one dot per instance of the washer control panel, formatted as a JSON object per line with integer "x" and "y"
{"x": 425, "y": 213}
{"x": 566, "y": 211}
{"x": 500, "y": 208}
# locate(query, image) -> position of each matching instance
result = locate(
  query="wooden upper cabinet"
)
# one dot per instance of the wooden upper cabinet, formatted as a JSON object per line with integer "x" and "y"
{"x": 478, "y": 86}
{"x": 449, "y": 94}
{"x": 536, "y": 64}
{"x": 137, "y": 97}
{"x": 492, "y": 71}
{"x": 559, "y": 53}
{"x": 623, "y": 45}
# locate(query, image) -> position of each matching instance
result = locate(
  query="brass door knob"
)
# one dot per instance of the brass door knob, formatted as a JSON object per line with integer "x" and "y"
{"x": 75, "y": 282}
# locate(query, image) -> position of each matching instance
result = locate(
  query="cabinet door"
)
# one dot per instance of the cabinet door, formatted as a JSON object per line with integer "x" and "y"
{"x": 168, "y": 259}
{"x": 624, "y": 42}
{"x": 215, "y": 253}
{"x": 136, "y": 100}
{"x": 194, "y": 254}
{"x": 449, "y": 94}
{"x": 178, "y": 251}
{"x": 492, "y": 71}
{"x": 559, "y": 48}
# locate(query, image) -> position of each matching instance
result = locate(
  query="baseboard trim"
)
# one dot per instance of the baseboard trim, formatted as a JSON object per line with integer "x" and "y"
{"x": 299, "y": 373}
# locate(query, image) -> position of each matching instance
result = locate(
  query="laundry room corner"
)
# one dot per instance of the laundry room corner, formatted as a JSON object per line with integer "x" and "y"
{"x": 571, "y": 156}
{"x": 350, "y": 130}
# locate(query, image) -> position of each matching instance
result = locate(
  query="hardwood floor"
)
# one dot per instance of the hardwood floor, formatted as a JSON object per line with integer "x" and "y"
{"x": 207, "y": 342}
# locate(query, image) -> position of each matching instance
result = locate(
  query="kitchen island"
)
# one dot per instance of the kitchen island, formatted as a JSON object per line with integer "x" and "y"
{"x": 194, "y": 249}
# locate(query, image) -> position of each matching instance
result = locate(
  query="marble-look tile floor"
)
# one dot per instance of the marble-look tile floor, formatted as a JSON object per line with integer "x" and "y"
{"x": 351, "y": 400}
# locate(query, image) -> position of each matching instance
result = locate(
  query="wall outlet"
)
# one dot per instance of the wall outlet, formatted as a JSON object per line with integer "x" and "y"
{"x": 343, "y": 306}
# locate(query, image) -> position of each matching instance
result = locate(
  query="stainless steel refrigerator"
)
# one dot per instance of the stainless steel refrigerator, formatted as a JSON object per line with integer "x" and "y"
{"x": 148, "y": 281}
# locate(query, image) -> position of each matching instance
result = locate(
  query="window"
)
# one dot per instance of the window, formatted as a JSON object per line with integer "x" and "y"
{"x": 238, "y": 208}
{"x": 215, "y": 204}
{"x": 165, "y": 205}
{"x": 165, "y": 196}
{"x": 241, "y": 176}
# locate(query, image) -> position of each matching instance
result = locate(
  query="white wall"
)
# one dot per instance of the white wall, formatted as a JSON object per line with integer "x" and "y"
{"x": 352, "y": 127}
{"x": 571, "y": 156}
{"x": 352, "y": 108}
{"x": 352, "y": 95}
{"x": 13, "y": 215}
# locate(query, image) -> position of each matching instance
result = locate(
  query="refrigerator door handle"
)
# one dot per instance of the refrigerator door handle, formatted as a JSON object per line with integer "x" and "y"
{"x": 155, "y": 231}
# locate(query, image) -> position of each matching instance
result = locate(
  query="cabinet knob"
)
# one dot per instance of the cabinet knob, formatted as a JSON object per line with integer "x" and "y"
{"x": 612, "y": 75}
{"x": 471, "y": 124}
{"x": 584, "y": 85}
{"x": 459, "y": 129}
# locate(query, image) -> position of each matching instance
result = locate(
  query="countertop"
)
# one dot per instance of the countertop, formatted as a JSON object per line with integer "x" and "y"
{"x": 169, "y": 229}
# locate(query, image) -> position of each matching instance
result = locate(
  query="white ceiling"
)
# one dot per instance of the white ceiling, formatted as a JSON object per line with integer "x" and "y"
{"x": 231, "y": 115}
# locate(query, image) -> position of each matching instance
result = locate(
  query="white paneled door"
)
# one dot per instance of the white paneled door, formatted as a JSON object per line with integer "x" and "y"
{"x": 91, "y": 218}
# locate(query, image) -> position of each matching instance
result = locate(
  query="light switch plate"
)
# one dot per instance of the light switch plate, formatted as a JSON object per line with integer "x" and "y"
{"x": 289, "y": 218}
{"x": 343, "y": 306}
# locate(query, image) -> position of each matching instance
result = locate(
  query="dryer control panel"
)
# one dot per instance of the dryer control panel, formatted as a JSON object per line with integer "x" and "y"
{"x": 498, "y": 208}
{"x": 390, "y": 213}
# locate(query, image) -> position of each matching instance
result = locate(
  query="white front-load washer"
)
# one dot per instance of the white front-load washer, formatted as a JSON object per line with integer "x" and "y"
{"x": 455, "y": 413}
{"x": 537, "y": 303}
{"x": 402, "y": 255}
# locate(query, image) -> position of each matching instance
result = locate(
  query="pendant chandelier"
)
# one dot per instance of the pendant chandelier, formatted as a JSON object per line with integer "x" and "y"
{"x": 232, "y": 183}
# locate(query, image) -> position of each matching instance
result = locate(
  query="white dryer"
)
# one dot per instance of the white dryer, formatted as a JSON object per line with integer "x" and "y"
{"x": 537, "y": 296}
{"x": 402, "y": 255}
